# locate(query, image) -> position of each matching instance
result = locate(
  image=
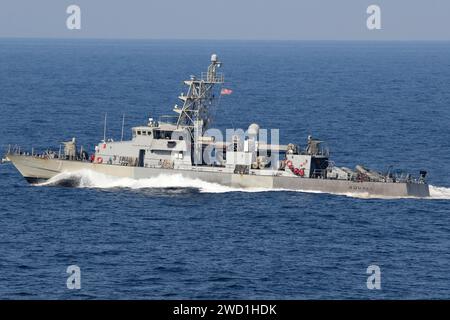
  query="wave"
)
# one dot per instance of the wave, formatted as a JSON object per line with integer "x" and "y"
{"x": 91, "y": 179}
{"x": 439, "y": 192}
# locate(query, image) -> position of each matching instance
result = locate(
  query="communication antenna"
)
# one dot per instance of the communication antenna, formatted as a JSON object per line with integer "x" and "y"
{"x": 123, "y": 124}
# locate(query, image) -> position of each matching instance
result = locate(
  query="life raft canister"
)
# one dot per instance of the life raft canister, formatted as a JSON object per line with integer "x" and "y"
{"x": 99, "y": 160}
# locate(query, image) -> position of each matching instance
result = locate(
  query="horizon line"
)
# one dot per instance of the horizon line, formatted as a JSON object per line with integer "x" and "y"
{"x": 223, "y": 39}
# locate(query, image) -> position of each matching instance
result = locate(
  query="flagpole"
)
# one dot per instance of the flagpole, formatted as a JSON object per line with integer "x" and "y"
{"x": 104, "y": 128}
{"x": 123, "y": 123}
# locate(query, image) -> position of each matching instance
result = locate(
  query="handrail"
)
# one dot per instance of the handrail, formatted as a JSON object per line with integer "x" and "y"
{"x": 218, "y": 78}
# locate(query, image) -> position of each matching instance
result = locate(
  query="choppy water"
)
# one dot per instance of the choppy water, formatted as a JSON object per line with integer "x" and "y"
{"x": 374, "y": 103}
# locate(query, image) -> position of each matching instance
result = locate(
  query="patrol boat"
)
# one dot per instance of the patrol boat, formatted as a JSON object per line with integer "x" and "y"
{"x": 176, "y": 146}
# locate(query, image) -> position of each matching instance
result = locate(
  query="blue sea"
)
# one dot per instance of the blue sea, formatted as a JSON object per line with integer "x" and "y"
{"x": 374, "y": 103}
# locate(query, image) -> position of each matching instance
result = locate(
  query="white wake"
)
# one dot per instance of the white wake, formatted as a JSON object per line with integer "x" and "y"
{"x": 439, "y": 192}
{"x": 91, "y": 179}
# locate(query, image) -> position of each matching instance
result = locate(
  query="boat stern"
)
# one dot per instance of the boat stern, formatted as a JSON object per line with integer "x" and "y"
{"x": 420, "y": 190}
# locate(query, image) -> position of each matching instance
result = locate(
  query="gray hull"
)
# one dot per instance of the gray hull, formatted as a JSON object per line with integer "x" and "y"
{"x": 37, "y": 169}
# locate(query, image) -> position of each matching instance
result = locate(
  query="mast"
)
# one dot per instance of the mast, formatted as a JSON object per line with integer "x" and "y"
{"x": 197, "y": 103}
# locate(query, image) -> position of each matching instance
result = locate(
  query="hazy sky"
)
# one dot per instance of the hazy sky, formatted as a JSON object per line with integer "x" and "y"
{"x": 228, "y": 19}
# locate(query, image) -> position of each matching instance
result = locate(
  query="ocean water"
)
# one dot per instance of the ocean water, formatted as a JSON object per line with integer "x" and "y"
{"x": 377, "y": 104}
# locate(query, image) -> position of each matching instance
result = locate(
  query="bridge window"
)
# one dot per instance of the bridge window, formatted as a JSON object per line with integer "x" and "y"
{"x": 160, "y": 134}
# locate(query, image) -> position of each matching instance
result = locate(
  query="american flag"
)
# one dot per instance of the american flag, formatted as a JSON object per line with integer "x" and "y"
{"x": 225, "y": 91}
